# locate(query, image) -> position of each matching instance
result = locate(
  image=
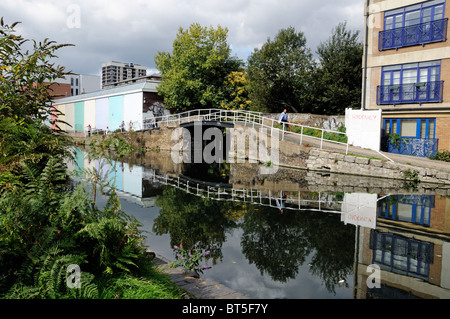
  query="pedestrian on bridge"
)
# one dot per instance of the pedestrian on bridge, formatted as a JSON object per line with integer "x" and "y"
{"x": 283, "y": 119}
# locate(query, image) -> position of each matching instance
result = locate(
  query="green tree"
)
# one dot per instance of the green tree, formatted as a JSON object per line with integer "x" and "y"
{"x": 25, "y": 102}
{"x": 194, "y": 74}
{"x": 338, "y": 76}
{"x": 279, "y": 73}
{"x": 237, "y": 91}
{"x": 26, "y": 75}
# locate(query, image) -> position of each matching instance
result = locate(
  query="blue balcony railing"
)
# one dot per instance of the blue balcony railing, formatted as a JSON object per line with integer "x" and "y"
{"x": 423, "y": 92}
{"x": 418, "y": 34}
{"x": 421, "y": 147}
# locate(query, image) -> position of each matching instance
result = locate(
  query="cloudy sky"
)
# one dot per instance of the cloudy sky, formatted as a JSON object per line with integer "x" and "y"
{"x": 135, "y": 30}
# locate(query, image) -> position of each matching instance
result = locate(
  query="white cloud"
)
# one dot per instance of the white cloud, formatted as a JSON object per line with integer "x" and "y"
{"x": 135, "y": 30}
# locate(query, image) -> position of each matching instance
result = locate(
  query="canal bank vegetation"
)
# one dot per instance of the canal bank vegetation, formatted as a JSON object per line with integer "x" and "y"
{"x": 54, "y": 241}
{"x": 442, "y": 155}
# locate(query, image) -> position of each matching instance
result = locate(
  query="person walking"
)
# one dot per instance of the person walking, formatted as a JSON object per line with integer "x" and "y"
{"x": 89, "y": 130}
{"x": 122, "y": 126}
{"x": 283, "y": 119}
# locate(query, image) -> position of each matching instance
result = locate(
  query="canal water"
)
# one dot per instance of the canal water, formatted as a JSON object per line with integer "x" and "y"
{"x": 293, "y": 234}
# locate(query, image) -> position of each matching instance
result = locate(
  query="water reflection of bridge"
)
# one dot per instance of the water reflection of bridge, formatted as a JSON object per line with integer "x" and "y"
{"x": 142, "y": 185}
{"x": 225, "y": 192}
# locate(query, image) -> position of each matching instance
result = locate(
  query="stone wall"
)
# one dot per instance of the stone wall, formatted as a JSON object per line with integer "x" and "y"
{"x": 157, "y": 139}
{"x": 327, "y": 122}
{"x": 287, "y": 153}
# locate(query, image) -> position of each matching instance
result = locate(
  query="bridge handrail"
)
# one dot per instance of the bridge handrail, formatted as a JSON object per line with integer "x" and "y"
{"x": 248, "y": 117}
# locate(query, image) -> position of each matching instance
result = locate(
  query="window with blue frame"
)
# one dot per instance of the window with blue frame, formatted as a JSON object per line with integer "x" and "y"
{"x": 410, "y": 128}
{"x": 414, "y": 25}
{"x": 417, "y": 136}
{"x": 411, "y": 83}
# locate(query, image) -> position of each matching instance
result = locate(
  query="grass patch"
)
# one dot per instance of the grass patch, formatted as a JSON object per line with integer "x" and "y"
{"x": 331, "y": 136}
{"x": 357, "y": 155}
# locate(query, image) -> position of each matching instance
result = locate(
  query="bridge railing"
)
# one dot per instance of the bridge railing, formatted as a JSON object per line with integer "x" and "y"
{"x": 291, "y": 131}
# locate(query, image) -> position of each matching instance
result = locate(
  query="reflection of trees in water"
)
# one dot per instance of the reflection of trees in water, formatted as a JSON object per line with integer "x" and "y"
{"x": 216, "y": 172}
{"x": 273, "y": 243}
{"x": 194, "y": 221}
{"x": 279, "y": 243}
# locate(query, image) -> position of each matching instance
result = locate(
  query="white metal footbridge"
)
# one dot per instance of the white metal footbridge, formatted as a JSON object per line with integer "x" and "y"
{"x": 292, "y": 132}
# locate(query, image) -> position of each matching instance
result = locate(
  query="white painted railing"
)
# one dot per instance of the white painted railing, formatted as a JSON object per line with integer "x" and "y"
{"x": 248, "y": 118}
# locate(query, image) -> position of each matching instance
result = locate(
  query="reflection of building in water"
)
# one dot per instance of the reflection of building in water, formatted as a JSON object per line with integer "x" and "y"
{"x": 128, "y": 180}
{"x": 415, "y": 209}
{"x": 410, "y": 245}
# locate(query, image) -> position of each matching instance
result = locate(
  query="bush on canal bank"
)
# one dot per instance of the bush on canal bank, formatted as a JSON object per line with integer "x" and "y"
{"x": 47, "y": 225}
{"x": 54, "y": 241}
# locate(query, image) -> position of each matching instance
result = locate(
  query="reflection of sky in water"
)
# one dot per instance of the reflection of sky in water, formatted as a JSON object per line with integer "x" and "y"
{"x": 234, "y": 271}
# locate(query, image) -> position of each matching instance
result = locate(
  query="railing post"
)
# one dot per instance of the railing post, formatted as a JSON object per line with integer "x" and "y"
{"x": 321, "y": 140}
{"x": 301, "y": 135}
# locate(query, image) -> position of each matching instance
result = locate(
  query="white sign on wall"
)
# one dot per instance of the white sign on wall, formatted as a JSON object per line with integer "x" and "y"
{"x": 363, "y": 128}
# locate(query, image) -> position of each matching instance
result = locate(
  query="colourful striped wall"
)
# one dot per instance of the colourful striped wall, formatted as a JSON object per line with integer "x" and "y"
{"x": 102, "y": 113}
{"x": 115, "y": 112}
{"x": 89, "y": 113}
{"x": 61, "y": 117}
{"x": 79, "y": 116}
{"x": 132, "y": 104}
{"x": 70, "y": 117}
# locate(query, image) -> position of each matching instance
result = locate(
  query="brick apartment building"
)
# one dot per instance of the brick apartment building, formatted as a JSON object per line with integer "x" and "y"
{"x": 406, "y": 68}
{"x": 60, "y": 90}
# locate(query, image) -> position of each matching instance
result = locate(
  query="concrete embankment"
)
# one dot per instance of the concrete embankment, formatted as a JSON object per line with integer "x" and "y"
{"x": 202, "y": 288}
